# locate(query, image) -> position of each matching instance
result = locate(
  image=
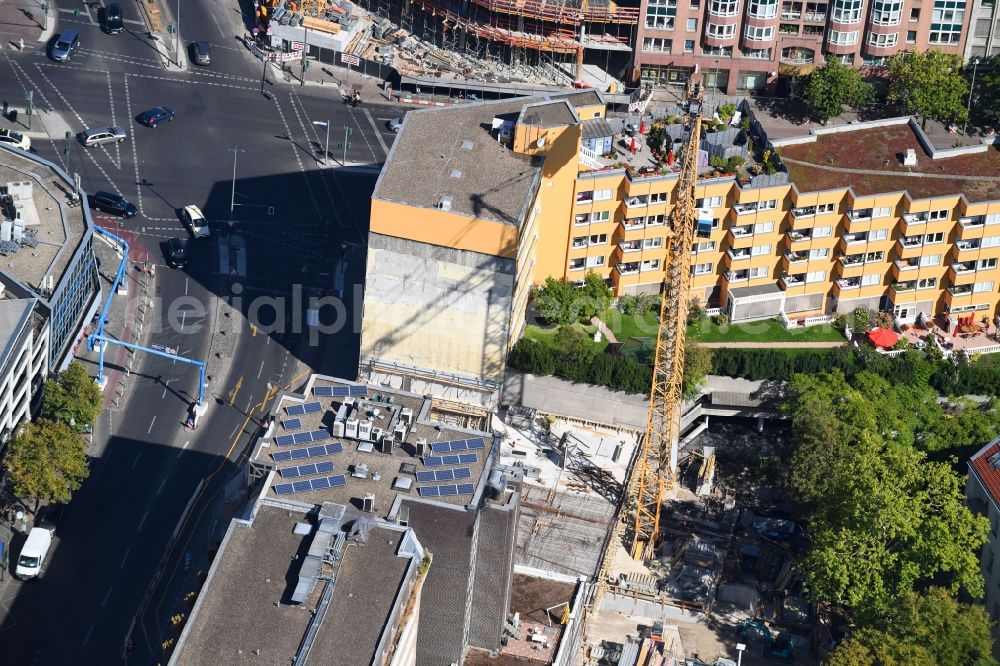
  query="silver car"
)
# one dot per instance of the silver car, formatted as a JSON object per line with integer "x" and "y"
{"x": 67, "y": 42}
{"x": 99, "y": 135}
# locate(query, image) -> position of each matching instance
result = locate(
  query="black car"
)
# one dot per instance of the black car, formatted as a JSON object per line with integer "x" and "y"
{"x": 113, "y": 204}
{"x": 155, "y": 116}
{"x": 114, "y": 22}
{"x": 175, "y": 253}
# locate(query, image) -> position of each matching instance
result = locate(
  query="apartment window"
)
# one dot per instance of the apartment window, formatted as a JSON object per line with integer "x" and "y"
{"x": 723, "y": 7}
{"x": 927, "y": 283}
{"x": 930, "y": 239}
{"x": 886, "y": 12}
{"x": 757, "y": 54}
{"x": 709, "y": 202}
{"x": 657, "y": 197}
{"x": 948, "y": 18}
{"x": 991, "y": 241}
{"x": 758, "y": 272}
{"x": 654, "y": 220}
{"x": 692, "y": 25}
{"x": 982, "y": 286}
{"x": 874, "y": 256}
{"x": 760, "y": 250}
{"x": 937, "y": 215}
{"x": 878, "y": 235}
{"x": 843, "y": 38}
{"x": 660, "y": 14}
{"x": 585, "y": 197}
{"x": 657, "y": 45}
{"x": 763, "y": 8}
{"x": 871, "y": 279}
{"x": 882, "y": 41}
{"x": 600, "y": 216}
{"x": 580, "y": 241}
{"x": 577, "y": 264}
{"x": 702, "y": 269}
{"x": 931, "y": 260}
{"x": 602, "y": 195}
{"x": 982, "y": 27}
{"x": 986, "y": 264}
{"x": 914, "y": 13}
{"x": 993, "y": 218}
{"x": 881, "y": 212}
{"x": 593, "y": 262}
{"x": 819, "y": 253}
{"x": 651, "y": 265}
{"x": 598, "y": 239}
{"x": 720, "y": 31}
{"x": 816, "y": 276}
{"x": 707, "y": 246}
{"x": 652, "y": 243}
{"x": 688, "y": 46}
{"x": 911, "y": 36}
{"x": 756, "y": 34}
{"x": 826, "y": 208}
{"x": 822, "y": 232}
{"x": 763, "y": 227}
{"x": 847, "y": 11}
{"x": 582, "y": 219}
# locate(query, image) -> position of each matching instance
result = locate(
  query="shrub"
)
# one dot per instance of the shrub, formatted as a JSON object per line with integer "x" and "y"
{"x": 884, "y": 319}
{"x": 722, "y": 319}
{"x": 696, "y": 313}
{"x": 861, "y": 319}
{"x": 726, "y": 111}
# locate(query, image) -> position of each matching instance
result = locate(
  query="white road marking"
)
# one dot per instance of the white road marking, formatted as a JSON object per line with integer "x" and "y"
{"x": 162, "y": 483}
{"x": 106, "y": 597}
{"x": 233, "y": 432}
{"x": 261, "y": 366}
{"x": 150, "y": 428}
{"x": 122, "y": 565}
{"x": 166, "y": 384}
{"x": 182, "y": 448}
{"x": 87, "y": 637}
{"x": 183, "y": 319}
{"x": 249, "y": 402}
{"x": 378, "y": 134}
{"x": 136, "y": 461}
{"x": 143, "y": 521}
{"x": 185, "y": 286}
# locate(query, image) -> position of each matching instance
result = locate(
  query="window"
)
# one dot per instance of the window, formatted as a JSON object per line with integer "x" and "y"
{"x": 819, "y": 253}
{"x": 602, "y": 195}
{"x": 816, "y": 276}
{"x": 986, "y": 264}
{"x": 756, "y": 34}
{"x": 758, "y": 272}
{"x": 937, "y": 215}
{"x": 871, "y": 279}
{"x": 651, "y": 265}
{"x": 927, "y": 283}
{"x": 770, "y": 204}
{"x": 874, "y": 256}
{"x": 982, "y": 286}
{"x": 692, "y": 25}
{"x": 600, "y": 216}
{"x": 911, "y": 36}
{"x": 707, "y": 246}
{"x": 654, "y": 220}
{"x": 580, "y": 241}
{"x": 763, "y": 227}
{"x": 709, "y": 202}
{"x": 720, "y": 31}
{"x": 702, "y": 269}
{"x": 657, "y": 197}
{"x": 723, "y": 7}
{"x": 992, "y": 218}
{"x": 886, "y": 12}
{"x": 991, "y": 241}
{"x": 847, "y": 11}
{"x": 688, "y": 46}
{"x": 657, "y": 45}
{"x": 826, "y": 208}
{"x": 915, "y": 14}
{"x": 593, "y": 262}
{"x": 585, "y": 197}
{"x": 843, "y": 38}
{"x": 577, "y": 264}
{"x": 822, "y": 232}
{"x": 648, "y": 243}
{"x": 878, "y": 234}
{"x": 660, "y": 14}
{"x": 947, "y": 20}
{"x": 880, "y": 212}
{"x": 763, "y": 8}
{"x": 598, "y": 239}
{"x": 760, "y": 250}
{"x": 882, "y": 41}
{"x": 931, "y": 260}
{"x": 931, "y": 239}
{"x": 982, "y": 27}
{"x": 757, "y": 54}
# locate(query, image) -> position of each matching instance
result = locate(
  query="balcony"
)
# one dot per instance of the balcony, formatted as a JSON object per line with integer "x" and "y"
{"x": 636, "y": 202}
{"x": 805, "y": 211}
{"x": 796, "y": 257}
{"x": 855, "y": 239}
{"x": 630, "y": 268}
{"x": 962, "y": 272}
{"x": 579, "y": 243}
{"x": 967, "y": 245}
{"x": 631, "y": 246}
{"x": 960, "y": 289}
{"x": 815, "y": 18}
{"x": 738, "y": 254}
{"x": 903, "y": 287}
{"x": 738, "y": 276}
{"x": 745, "y": 209}
{"x": 860, "y": 214}
{"x": 911, "y": 220}
{"x": 791, "y": 16}
{"x": 796, "y": 236}
{"x": 907, "y": 264}
{"x": 848, "y": 283}
{"x": 792, "y": 280}
{"x": 973, "y": 222}
{"x": 632, "y": 225}
{"x": 853, "y": 260}
{"x": 964, "y": 267}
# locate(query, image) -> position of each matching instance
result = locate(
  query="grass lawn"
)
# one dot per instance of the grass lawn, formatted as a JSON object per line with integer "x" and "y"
{"x": 544, "y": 335}
{"x": 768, "y": 330}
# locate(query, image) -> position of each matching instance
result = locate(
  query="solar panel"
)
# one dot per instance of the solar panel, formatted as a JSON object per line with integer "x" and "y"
{"x": 334, "y": 448}
{"x": 284, "y": 440}
{"x": 307, "y": 470}
{"x": 467, "y": 458}
{"x": 295, "y": 410}
{"x": 466, "y": 489}
{"x": 451, "y": 460}
{"x": 320, "y": 483}
{"x": 439, "y": 447}
{"x": 302, "y": 486}
{"x": 281, "y": 456}
{"x": 320, "y": 435}
{"x": 444, "y": 475}
{"x": 447, "y": 490}
{"x": 459, "y": 445}
{"x": 337, "y": 481}
{"x": 302, "y": 437}
{"x": 323, "y": 391}
{"x": 428, "y": 491}
{"x": 433, "y": 461}
{"x": 299, "y": 454}
{"x": 284, "y": 489}
{"x": 358, "y": 390}
{"x": 312, "y": 407}
{"x": 477, "y": 443}
{"x": 289, "y": 472}
{"x": 325, "y": 467}
{"x": 316, "y": 451}
{"x": 424, "y": 477}
{"x": 463, "y": 473}
{"x": 291, "y": 424}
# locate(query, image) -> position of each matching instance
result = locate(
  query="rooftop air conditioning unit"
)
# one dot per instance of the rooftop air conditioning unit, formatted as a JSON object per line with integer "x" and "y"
{"x": 385, "y": 445}
{"x": 406, "y": 414}
{"x": 444, "y": 203}
{"x": 400, "y": 432}
{"x": 421, "y": 446}
{"x": 365, "y": 429}
{"x": 352, "y": 428}
{"x": 376, "y": 434}
{"x": 338, "y": 428}
{"x": 349, "y": 402}
{"x": 369, "y": 502}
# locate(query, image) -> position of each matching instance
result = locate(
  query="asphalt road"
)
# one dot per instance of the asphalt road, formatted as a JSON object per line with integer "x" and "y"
{"x": 302, "y": 226}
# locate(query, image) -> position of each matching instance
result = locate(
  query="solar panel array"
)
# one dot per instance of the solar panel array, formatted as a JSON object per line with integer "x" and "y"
{"x": 307, "y": 408}
{"x": 310, "y": 452}
{"x": 444, "y": 475}
{"x": 459, "y": 445}
{"x": 339, "y": 391}
{"x": 291, "y": 424}
{"x": 447, "y": 490}
{"x": 318, "y": 483}
{"x": 324, "y": 467}
{"x": 457, "y": 459}
{"x": 302, "y": 437}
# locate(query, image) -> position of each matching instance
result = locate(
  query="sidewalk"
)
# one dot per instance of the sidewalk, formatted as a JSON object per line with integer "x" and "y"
{"x": 26, "y": 20}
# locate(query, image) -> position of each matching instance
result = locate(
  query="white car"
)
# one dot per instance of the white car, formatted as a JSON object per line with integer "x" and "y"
{"x": 195, "y": 220}
{"x": 15, "y": 139}
{"x": 395, "y": 125}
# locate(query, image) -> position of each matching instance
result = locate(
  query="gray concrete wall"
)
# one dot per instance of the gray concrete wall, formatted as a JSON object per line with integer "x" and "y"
{"x": 436, "y": 312}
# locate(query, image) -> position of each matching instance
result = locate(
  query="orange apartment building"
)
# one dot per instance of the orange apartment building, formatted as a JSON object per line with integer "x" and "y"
{"x": 495, "y": 197}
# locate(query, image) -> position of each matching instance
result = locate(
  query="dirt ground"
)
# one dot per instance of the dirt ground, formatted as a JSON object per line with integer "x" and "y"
{"x": 531, "y": 596}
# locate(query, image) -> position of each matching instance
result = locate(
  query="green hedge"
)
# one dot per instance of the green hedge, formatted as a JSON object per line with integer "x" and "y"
{"x": 580, "y": 365}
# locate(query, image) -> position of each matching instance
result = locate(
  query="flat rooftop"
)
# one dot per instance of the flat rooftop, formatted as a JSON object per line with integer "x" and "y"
{"x": 452, "y": 152}
{"x": 869, "y": 162}
{"x": 246, "y": 606}
{"x": 317, "y": 457}
{"x": 549, "y": 114}
{"x": 58, "y": 228}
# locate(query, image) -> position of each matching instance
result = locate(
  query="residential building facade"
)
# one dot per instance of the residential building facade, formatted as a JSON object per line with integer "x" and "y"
{"x": 984, "y": 30}
{"x": 982, "y": 492}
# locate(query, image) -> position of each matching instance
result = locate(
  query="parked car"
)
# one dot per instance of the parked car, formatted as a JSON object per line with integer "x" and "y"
{"x": 195, "y": 220}
{"x": 202, "y": 53}
{"x": 155, "y": 116}
{"x": 114, "y": 22}
{"x": 113, "y": 204}
{"x": 99, "y": 135}
{"x": 67, "y": 42}
{"x": 15, "y": 139}
{"x": 396, "y": 124}
{"x": 175, "y": 253}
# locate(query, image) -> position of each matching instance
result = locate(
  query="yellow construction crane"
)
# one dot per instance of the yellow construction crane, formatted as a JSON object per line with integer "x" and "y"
{"x": 653, "y": 472}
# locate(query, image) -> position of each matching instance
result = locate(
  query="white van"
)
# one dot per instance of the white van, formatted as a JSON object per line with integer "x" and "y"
{"x": 29, "y": 564}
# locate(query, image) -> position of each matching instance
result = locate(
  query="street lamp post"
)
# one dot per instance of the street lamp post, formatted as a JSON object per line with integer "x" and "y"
{"x": 232, "y": 196}
{"x": 739, "y": 648}
{"x": 972, "y": 88}
{"x": 326, "y": 149}
{"x": 177, "y": 35}
{"x": 715, "y": 83}
{"x": 305, "y": 55}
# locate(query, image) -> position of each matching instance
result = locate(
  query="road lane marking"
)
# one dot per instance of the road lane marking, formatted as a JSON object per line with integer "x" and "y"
{"x": 165, "y": 385}
{"x": 183, "y": 319}
{"x": 179, "y": 453}
{"x": 261, "y": 369}
{"x": 162, "y": 483}
{"x": 87, "y": 637}
{"x": 150, "y": 428}
{"x": 378, "y": 134}
{"x": 143, "y": 521}
{"x": 185, "y": 286}
{"x": 136, "y": 461}
{"x": 122, "y": 565}
{"x": 106, "y": 597}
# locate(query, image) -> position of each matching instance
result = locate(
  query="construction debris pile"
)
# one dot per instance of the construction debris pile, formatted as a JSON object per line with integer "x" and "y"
{"x": 330, "y": 16}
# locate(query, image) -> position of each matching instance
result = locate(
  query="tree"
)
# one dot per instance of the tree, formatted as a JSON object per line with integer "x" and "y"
{"x": 556, "y": 301}
{"x": 47, "y": 461}
{"x": 595, "y": 296}
{"x": 697, "y": 364}
{"x": 871, "y": 647}
{"x": 832, "y": 86}
{"x": 72, "y": 395}
{"x": 988, "y": 90}
{"x": 929, "y": 84}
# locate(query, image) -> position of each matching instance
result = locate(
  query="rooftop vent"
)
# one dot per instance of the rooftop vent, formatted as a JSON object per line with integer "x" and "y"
{"x": 444, "y": 203}
{"x": 455, "y": 173}
{"x": 467, "y": 145}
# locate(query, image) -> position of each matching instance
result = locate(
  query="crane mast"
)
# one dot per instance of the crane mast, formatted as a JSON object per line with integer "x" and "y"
{"x": 653, "y": 472}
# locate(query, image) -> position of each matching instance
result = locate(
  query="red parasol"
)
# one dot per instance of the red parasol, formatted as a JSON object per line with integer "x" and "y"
{"x": 642, "y": 127}
{"x": 632, "y": 147}
{"x": 883, "y": 337}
